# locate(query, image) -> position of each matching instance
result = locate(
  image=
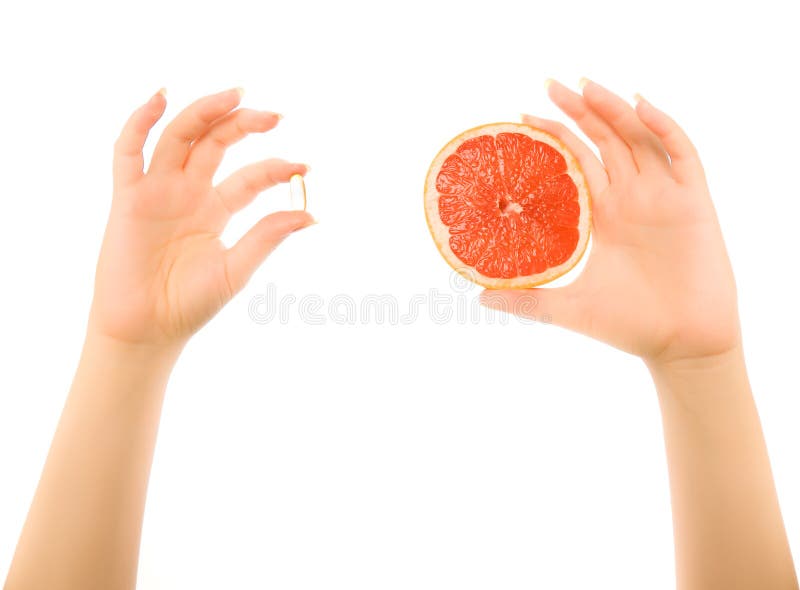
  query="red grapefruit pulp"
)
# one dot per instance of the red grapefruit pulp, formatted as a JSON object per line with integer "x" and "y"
{"x": 508, "y": 206}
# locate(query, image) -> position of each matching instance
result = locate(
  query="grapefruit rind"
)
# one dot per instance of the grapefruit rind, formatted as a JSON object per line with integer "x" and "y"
{"x": 441, "y": 233}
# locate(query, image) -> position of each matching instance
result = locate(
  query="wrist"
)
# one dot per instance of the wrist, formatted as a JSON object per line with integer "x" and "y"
{"x": 696, "y": 363}
{"x": 722, "y": 373}
{"x": 146, "y": 361}
{"x": 119, "y": 339}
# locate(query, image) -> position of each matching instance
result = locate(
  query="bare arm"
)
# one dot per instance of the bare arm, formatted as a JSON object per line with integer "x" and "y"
{"x": 85, "y": 521}
{"x": 658, "y": 284}
{"x": 728, "y": 527}
{"x": 162, "y": 274}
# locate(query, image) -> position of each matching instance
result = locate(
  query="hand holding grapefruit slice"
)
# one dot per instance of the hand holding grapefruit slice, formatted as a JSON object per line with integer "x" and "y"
{"x": 508, "y": 206}
{"x": 658, "y": 282}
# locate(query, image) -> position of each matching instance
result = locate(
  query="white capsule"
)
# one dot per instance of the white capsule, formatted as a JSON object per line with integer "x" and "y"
{"x": 297, "y": 189}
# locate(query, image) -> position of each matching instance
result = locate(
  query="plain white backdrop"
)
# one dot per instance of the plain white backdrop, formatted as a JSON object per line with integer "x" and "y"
{"x": 458, "y": 454}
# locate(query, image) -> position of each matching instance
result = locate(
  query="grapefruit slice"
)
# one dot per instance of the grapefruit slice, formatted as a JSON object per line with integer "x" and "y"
{"x": 508, "y": 206}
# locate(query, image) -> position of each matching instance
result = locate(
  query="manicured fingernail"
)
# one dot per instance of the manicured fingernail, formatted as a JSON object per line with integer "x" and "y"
{"x": 309, "y": 224}
{"x": 161, "y": 92}
{"x": 240, "y": 91}
{"x": 582, "y": 83}
{"x": 531, "y": 120}
{"x": 638, "y": 98}
{"x": 547, "y": 83}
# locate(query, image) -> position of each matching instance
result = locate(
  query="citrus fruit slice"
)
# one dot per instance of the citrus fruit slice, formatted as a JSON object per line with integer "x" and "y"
{"x": 508, "y": 206}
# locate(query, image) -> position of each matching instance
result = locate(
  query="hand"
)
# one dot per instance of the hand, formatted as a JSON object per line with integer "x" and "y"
{"x": 658, "y": 282}
{"x": 163, "y": 271}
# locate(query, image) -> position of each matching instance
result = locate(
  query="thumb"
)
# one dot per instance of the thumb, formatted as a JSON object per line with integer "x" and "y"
{"x": 246, "y": 255}
{"x": 557, "y": 306}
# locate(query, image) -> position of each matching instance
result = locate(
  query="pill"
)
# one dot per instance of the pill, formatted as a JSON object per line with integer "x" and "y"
{"x": 297, "y": 189}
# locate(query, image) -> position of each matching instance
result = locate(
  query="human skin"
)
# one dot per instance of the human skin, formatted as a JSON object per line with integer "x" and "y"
{"x": 162, "y": 273}
{"x": 658, "y": 284}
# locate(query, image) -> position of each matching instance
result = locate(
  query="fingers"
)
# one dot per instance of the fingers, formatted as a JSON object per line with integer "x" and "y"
{"x": 616, "y": 154}
{"x": 128, "y": 165}
{"x": 593, "y": 170}
{"x": 241, "y": 187}
{"x": 252, "y": 249}
{"x": 648, "y": 153}
{"x": 558, "y": 306}
{"x": 173, "y": 147}
{"x": 686, "y": 165}
{"x": 208, "y": 151}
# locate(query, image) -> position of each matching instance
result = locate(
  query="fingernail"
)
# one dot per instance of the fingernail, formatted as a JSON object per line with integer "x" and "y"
{"x": 547, "y": 83}
{"x": 583, "y": 82}
{"x": 308, "y": 168}
{"x": 161, "y": 92}
{"x": 278, "y": 115}
{"x": 240, "y": 91}
{"x": 309, "y": 224}
{"x": 638, "y": 98}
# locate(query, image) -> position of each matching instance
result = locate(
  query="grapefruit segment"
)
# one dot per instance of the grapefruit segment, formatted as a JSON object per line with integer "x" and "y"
{"x": 508, "y": 206}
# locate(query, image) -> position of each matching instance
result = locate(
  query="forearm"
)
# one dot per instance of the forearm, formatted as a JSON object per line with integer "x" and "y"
{"x": 84, "y": 525}
{"x": 727, "y": 522}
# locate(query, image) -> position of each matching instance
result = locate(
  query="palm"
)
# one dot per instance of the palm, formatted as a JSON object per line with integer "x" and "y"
{"x": 658, "y": 282}
{"x": 642, "y": 250}
{"x": 177, "y": 279}
{"x": 163, "y": 271}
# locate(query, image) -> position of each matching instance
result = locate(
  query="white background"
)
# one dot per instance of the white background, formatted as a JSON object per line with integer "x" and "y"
{"x": 449, "y": 455}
